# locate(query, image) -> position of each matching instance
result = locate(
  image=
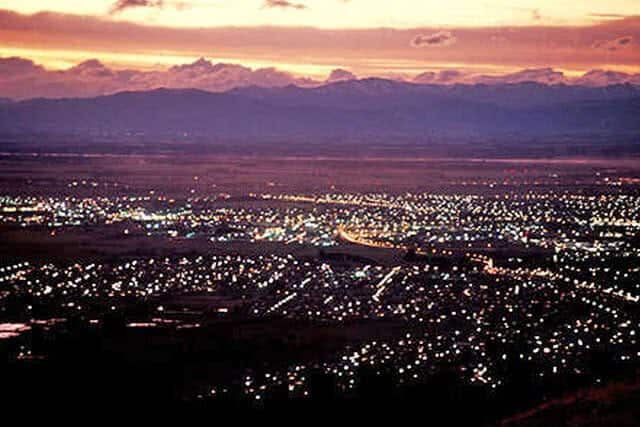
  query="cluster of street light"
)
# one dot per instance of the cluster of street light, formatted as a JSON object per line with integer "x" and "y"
{"x": 538, "y": 278}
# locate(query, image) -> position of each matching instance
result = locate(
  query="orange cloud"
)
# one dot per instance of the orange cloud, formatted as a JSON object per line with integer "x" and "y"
{"x": 310, "y": 51}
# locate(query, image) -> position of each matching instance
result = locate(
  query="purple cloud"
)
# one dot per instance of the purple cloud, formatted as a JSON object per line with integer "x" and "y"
{"x": 439, "y": 39}
{"x": 14, "y": 66}
{"x": 283, "y": 4}
{"x": 613, "y": 45}
{"x": 122, "y": 5}
{"x": 547, "y": 76}
{"x": 440, "y": 77}
{"x": 21, "y": 78}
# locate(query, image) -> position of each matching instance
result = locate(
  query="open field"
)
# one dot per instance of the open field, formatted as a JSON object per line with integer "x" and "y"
{"x": 175, "y": 174}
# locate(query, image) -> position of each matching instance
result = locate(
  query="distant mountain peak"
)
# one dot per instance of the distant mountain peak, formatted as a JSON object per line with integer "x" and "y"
{"x": 340, "y": 74}
{"x": 599, "y": 77}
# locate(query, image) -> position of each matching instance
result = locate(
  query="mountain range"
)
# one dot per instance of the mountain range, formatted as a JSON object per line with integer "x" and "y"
{"x": 345, "y": 108}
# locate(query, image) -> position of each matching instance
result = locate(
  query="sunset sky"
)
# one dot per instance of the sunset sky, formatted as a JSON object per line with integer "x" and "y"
{"x": 310, "y": 38}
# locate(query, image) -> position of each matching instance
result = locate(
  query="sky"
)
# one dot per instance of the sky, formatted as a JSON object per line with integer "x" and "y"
{"x": 435, "y": 41}
{"x": 337, "y": 13}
